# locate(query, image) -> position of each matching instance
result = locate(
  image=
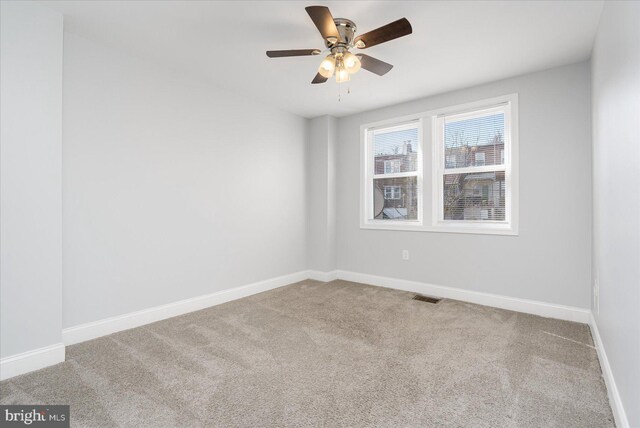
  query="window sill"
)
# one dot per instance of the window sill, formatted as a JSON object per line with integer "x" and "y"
{"x": 492, "y": 229}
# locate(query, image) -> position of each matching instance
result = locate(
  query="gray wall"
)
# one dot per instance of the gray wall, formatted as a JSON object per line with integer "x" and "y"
{"x": 321, "y": 194}
{"x": 31, "y": 206}
{"x": 616, "y": 195}
{"x": 172, "y": 188}
{"x": 550, "y": 260}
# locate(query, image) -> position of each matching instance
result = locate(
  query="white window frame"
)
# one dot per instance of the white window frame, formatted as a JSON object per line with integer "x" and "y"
{"x": 509, "y": 225}
{"x": 367, "y": 164}
{"x": 475, "y": 158}
{"x": 430, "y": 186}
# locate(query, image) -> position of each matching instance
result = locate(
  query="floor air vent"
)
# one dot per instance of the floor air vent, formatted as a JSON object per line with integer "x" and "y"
{"x": 426, "y": 298}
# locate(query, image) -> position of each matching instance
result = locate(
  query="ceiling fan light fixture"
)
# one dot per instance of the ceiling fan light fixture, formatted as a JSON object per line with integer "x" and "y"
{"x": 351, "y": 63}
{"x": 342, "y": 75}
{"x": 327, "y": 66}
{"x": 339, "y": 36}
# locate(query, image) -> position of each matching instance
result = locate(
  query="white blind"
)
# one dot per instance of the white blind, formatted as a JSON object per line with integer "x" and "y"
{"x": 474, "y": 186}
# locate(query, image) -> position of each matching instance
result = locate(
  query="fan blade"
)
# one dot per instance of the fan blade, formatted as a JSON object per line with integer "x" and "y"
{"x": 321, "y": 16}
{"x": 396, "y": 29}
{"x": 374, "y": 65}
{"x": 319, "y": 79}
{"x": 293, "y": 52}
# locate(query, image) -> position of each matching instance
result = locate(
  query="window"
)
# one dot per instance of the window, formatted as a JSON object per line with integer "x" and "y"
{"x": 392, "y": 192}
{"x": 392, "y": 166}
{"x": 473, "y": 180}
{"x": 450, "y": 161}
{"x": 478, "y": 136}
{"x": 393, "y": 173}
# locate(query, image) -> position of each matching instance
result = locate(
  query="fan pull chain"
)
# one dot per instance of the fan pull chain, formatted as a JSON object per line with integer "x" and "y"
{"x": 340, "y": 92}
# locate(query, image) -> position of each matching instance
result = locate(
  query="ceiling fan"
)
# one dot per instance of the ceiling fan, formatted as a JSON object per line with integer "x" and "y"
{"x": 339, "y": 39}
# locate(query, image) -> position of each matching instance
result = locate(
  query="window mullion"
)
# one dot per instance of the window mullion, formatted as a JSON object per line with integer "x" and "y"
{"x": 474, "y": 169}
{"x": 396, "y": 175}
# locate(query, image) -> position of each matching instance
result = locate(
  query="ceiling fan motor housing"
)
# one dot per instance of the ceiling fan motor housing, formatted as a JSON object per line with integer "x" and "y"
{"x": 346, "y": 29}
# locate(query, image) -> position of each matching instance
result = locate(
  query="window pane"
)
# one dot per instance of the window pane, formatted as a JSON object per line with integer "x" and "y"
{"x": 395, "y": 198}
{"x": 395, "y": 151}
{"x": 474, "y": 142}
{"x": 477, "y": 196}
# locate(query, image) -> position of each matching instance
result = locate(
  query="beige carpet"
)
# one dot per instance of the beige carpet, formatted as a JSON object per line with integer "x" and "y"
{"x": 335, "y": 354}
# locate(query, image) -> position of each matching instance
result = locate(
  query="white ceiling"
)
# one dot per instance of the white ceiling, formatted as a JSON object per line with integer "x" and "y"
{"x": 455, "y": 44}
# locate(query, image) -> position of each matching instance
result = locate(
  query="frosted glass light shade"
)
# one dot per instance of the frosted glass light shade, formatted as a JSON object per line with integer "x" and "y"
{"x": 351, "y": 63}
{"x": 342, "y": 75}
{"x": 327, "y": 66}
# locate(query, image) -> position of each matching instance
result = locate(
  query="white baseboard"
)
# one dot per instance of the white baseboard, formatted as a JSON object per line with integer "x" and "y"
{"x": 323, "y": 276}
{"x": 40, "y": 358}
{"x": 54, "y": 354}
{"x": 115, "y": 324}
{"x": 612, "y": 390}
{"x": 31, "y": 360}
{"x": 549, "y": 310}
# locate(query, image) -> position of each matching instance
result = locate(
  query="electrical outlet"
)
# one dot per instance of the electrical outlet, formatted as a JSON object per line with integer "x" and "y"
{"x": 405, "y": 254}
